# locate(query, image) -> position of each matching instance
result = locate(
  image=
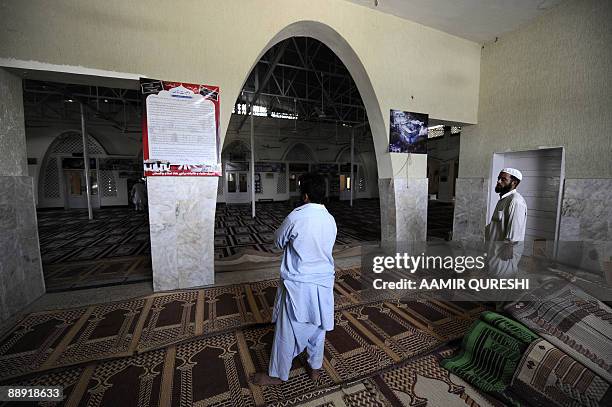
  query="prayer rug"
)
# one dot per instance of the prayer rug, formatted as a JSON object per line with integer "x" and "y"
{"x": 572, "y": 320}
{"x": 374, "y": 392}
{"x": 69, "y": 235}
{"x": 424, "y": 382}
{"x": 97, "y": 273}
{"x": 397, "y": 327}
{"x": 215, "y": 371}
{"x": 548, "y": 376}
{"x": 490, "y": 354}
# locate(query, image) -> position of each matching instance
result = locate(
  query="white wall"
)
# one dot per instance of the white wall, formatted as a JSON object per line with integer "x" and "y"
{"x": 547, "y": 84}
{"x": 218, "y": 42}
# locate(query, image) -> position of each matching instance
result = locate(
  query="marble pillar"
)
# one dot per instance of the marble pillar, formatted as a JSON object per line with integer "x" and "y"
{"x": 403, "y": 209}
{"x": 470, "y": 209}
{"x": 21, "y": 277}
{"x": 182, "y": 223}
{"x": 585, "y": 231}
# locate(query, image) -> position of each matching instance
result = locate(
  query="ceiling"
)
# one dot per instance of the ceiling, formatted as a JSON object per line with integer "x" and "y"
{"x": 302, "y": 77}
{"x": 48, "y": 103}
{"x": 476, "y": 20}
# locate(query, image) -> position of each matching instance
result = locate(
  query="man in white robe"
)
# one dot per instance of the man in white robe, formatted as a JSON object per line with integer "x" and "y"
{"x": 304, "y": 305}
{"x": 505, "y": 233}
{"x": 139, "y": 196}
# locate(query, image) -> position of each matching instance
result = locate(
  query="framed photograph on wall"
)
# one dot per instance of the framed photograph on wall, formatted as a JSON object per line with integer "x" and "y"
{"x": 408, "y": 132}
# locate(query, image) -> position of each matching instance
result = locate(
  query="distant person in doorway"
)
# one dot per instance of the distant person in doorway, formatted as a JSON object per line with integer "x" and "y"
{"x": 506, "y": 231}
{"x": 139, "y": 196}
{"x": 304, "y": 305}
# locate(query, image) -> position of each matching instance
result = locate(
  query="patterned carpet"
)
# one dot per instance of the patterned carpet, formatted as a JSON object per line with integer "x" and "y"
{"x": 183, "y": 347}
{"x": 439, "y": 220}
{"x": 418, "y": 383}
{"x": 572, "y": 320}
{"x": 69, "y": 236}
{"x": 237, "y": 231}
{"x": 112, "y": 249}
{"x": 491, "y": 352}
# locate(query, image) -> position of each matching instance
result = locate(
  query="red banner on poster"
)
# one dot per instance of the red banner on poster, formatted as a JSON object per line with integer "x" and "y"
{"x": 180, "y": 129}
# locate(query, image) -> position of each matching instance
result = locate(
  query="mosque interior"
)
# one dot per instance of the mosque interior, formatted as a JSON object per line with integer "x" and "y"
{"x": 119, "y": 318}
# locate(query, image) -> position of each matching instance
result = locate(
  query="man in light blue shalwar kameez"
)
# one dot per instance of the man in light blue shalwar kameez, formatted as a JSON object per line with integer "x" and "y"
{"x": 304, "y": 305}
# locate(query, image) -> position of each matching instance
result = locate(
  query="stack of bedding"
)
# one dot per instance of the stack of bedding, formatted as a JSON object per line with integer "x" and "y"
{"x": 554, "y": 350}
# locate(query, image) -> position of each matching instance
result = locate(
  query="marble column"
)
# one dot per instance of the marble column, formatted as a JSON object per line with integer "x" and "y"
{"x": 585, "y": 231}
{"x": 403, "y": 209}
{"x": 182, "y": 222}
{"x": 470, "y": 209}
{"x": 21, "y": 276}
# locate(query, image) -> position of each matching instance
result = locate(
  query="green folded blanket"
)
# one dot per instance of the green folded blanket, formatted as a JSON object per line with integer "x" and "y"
{"x": 490, "y": 354}
{"x": 504, "y": 358}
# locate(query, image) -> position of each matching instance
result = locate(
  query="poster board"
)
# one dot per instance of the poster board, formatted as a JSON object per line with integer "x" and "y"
{"x": 180, "y": 129}
{"x": 408, "y": 132}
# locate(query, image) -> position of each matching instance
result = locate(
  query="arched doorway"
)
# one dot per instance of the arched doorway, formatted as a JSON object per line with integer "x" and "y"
{"x": 235, "y": 182}
{"x": 62, "y": 180}
{"x": 351, "y": 61}
{"x": 298, "y": 112}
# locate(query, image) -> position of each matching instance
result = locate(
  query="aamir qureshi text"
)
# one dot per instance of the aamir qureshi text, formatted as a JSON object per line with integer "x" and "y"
{"x": 475, "y": 284}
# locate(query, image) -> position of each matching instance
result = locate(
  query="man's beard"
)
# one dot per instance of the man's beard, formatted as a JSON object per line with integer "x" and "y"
{"x": 503, "y": 190}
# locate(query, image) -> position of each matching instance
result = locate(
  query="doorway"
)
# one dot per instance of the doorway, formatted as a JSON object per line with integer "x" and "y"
{"x": 76, "y": 189}
{"x": 77, "y": 252}
{"x": 238, "y": 187}
{"x": 543, "y": 178}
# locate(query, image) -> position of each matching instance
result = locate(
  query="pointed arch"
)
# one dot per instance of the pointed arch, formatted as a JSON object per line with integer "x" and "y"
{"x": 238, "y": 148}
{"x": 65, "y": 144}
{"x": 299, "y": 151}
{"x": 345, "y": 150}
{"x": 340, "y": 46}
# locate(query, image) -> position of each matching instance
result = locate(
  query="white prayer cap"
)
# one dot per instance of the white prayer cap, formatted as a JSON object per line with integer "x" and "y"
{"x": 514, "y": 172}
